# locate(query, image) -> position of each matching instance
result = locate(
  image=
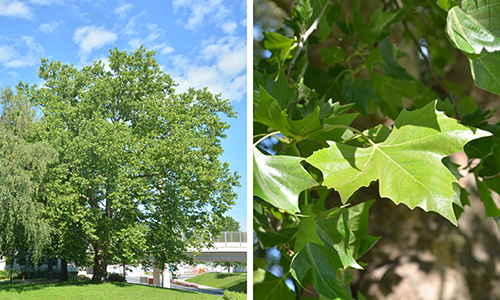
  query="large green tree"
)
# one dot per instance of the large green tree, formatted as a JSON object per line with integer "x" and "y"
{"x": 24, "y": 159}
{"x": 138, "y": 163}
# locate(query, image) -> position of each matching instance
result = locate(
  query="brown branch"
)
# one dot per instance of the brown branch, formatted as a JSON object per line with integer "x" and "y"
{"x": 434, "y": 77}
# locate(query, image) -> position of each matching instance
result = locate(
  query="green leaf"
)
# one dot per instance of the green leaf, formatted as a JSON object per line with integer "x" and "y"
{"x": 493, "y": 183}
{"x": 326, "y": 281}
{"x": 279, "y": 180}
{"x": 407, "y": 164}
{"x": 472, "y": 27}
{"x": 345, "y": 230}
{"x": 269, "y": 287}
{"x": 468, "y": 33}
{"x": 446, "y": 4}
{"x": 301, "y": 13}
{"x": 278, "y": 89}
{"x": 333, "y": 54}
{"x": 490, "y": 207}
{"x": 361, "y": 29}
{"x": 269, "y": 112}
{"x": 279, "y": 45}
{"x": 307, "y": 228}
{"x": 269, "y": 237}
{"x": 486, "y": 72}
{"x": 358, "y": 91}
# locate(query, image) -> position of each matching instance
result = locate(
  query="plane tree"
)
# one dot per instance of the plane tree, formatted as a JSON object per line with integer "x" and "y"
{"x": 138, "y": 163}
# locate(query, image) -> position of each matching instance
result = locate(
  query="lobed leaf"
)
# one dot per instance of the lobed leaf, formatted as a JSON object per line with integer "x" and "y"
{"x": 407, "y": 164}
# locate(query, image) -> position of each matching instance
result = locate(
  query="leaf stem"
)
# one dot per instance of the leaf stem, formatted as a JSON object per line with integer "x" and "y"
{"x": 353, "y": 129}
{"x": 286, "y": 141}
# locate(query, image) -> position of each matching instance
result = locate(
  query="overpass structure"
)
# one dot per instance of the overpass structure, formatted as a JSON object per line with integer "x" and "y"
{"x": 231, "y": 246}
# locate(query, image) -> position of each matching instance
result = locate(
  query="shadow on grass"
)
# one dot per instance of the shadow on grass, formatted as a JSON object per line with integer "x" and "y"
{"x": 239, "y": 287}
{"x": 33, "y": 286}
{"x": 225, "y": 275}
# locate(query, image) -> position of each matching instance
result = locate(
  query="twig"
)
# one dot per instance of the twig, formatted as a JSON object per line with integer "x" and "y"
{"x": 434, "y": 77}
{"x": 303, "y": 39}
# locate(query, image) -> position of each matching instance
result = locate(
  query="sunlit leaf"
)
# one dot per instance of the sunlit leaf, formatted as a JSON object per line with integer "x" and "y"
{"x": 407, "y": 163}
{"x": 279, "y": 180}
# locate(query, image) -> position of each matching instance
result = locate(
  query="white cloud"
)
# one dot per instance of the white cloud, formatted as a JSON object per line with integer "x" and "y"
{"x": 150, "y": 40}
{"x": 229, "y": 27}
{"x": 15, "y": 9}
{"x": 204, "y": 11}
{"x": 220, "y": 65}
{"x": 92, "y": 37}
{"x": 131, "y": 27}
{"x": 228, "y": 53}
{"x": 20, "y": 52}
{"x": 167, "y": 50}
{"x": 47, "y": 2}
{"x": 48, "y": 27}
{"x": 123, "y": 10}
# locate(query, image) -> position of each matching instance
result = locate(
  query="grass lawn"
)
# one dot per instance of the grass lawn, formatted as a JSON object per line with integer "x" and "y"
{"x": 86, "y": 289}
{"x": 236, "y": 282}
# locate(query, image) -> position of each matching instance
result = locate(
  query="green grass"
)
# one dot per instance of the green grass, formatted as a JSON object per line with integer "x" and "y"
{"x": 236, "y": 282}
{"x": 86, "y": 289}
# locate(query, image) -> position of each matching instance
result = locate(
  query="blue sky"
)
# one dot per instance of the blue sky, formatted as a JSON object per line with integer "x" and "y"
{"x": 200, "y": 43}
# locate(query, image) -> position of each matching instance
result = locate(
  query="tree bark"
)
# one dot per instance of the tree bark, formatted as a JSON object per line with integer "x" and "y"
{"x": 50, "y": 269}
{"x": 64, "y": 270}
{"x": 100, "y": 264}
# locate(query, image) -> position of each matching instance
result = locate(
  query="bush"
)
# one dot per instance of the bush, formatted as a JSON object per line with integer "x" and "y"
{"x": 234, "y": 296}
{"x": 116, "y": 277}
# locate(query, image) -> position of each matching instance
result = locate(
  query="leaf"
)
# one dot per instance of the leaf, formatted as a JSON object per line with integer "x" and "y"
{"x": 307, "y": 228}
{"x": 301, "y": 13}
{"x": 472, "y": 27}
{"x": 278, "y": 89}
{"x": 325, "y": 262}
{"x": 279, "y": 45}
{"x": 270, "y": 114}
{"x": 279, "y": 180}
{"x": 269, "y": 237}
{"x": 407, "y": 164}
{"x": 333, "y": 54}
{"x": 269, "y": 287}
{"x": 486, "y": 72}
{"x": 345, "y": 230}
{"x": 490, "y": 207}
{"x": 358, "y": 91}
{"x": 468, "y": 33}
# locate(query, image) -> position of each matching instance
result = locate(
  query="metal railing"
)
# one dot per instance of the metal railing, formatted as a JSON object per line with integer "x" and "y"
{"x": 231, "y": 237}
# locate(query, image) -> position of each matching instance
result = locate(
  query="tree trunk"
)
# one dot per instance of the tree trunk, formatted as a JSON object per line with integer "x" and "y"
{"x": 64, "y": 270}
{"x": 100, "y": 265}
{"x": 50, "y": 267}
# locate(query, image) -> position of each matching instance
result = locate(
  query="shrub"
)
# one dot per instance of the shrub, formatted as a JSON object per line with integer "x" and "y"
{"x": 116, "y": 277}
{"x": 234, "y": 295}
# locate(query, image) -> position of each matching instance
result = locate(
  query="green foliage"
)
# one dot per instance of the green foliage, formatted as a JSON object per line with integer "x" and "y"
{"x": 234, "y": 296}
{"x": 335, "y": 110}
{"x": 230, "y": 224}
{"x": 116, "y": 277}
{"x": 473, "y": 28}
{"x": 138, "y": 163}
{"x": 24, "y": 159}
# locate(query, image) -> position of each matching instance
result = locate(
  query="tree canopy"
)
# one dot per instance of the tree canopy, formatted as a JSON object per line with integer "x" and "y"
{"x": 24, "y": 159}
{"x": 138, "y": 164}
